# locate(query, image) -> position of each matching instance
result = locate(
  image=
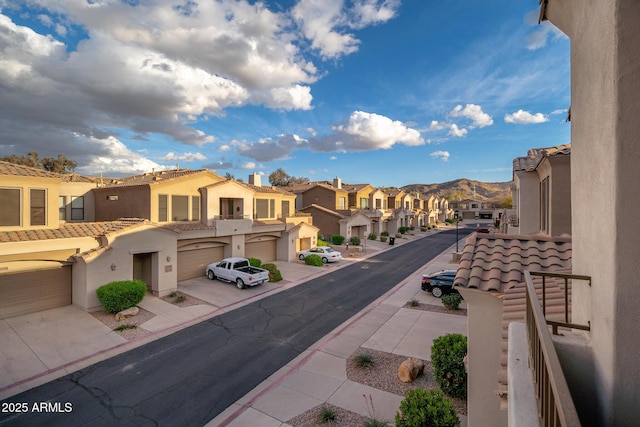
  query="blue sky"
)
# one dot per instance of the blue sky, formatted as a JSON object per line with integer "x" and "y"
{"x": 386, "y": 92}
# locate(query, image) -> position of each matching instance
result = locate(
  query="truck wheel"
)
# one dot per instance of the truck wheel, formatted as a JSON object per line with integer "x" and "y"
{"x": 239, "y": 283}
{"x": 211, "y": 275}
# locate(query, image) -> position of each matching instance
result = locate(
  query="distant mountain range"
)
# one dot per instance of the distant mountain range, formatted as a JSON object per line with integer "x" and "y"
{"x": 463, "y": 189}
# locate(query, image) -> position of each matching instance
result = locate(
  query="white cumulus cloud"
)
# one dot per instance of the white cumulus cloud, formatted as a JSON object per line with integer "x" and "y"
{"x": 522, "y": 117}
{"x": 455, "y": 131}
{"x": 184, "y": 157}
{"x": 473, "y": 112}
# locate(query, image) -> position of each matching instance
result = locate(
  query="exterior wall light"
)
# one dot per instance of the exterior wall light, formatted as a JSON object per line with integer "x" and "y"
{"x": 113, "y": 267}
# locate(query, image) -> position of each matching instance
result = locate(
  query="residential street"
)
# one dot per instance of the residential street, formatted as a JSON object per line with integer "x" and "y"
{"x": 191, "y": 376}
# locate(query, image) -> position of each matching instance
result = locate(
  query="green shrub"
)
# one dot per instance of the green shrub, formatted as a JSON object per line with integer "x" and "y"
{"x": 448, "y": 221}
{"x": 118, "y": 296}
{"x": 355, "y": 241}
{"x": 451, "y": 301}
{"x": 372, "y": 236}
{"x": 403, "y": 230}
{"x": 326, "y": 415}
{"x": 422, "y": 407}
{"x": 435, "y": 226}
{"x": 322, "y": 243}
{"x": 447, "y": 357}
{"x": 313, "y": 259}
{"x": 254, "y": 262}
{"x": 274, "y": 273}
{"x": 337, "y": 239}
{"x": 384, "y": 233}
{"x": 383, "y": 239}
{"x": 364, "y": 360}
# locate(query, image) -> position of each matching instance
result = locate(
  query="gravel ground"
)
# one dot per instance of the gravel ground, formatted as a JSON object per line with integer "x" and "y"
{"x": 183, "y": 300}
{"x": 130, "y": 334}
{"x": 383, "y": 375}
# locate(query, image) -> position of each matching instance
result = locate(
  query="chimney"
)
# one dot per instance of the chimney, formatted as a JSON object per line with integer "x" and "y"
{"x": 254, "y": 179}
{"x": 337, "y": 182}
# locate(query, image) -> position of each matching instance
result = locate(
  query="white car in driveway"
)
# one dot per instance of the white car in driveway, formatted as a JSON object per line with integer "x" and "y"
{"x": 325, "y": 252}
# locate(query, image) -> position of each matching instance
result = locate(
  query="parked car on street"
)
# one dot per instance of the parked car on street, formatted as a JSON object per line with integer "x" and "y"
{"x": 482, "y": 230}
{"x": 440, "y": 283}
{"x": 325, "y": 252}
{"x": 237, "y": 270}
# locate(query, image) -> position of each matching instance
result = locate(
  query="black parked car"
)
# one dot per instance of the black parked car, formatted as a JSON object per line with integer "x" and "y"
{"x": 440, "y": 283}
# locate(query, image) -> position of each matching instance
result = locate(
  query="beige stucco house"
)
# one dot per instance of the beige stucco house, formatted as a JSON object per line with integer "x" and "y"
{"x": 541, "y": 192}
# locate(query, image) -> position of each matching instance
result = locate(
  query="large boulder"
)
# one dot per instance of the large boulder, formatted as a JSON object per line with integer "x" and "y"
{"x": 410, "y": 369}
{"x": 129, "y": 312}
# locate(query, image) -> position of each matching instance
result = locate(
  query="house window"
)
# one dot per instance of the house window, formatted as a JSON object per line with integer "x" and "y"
{"x": 272, "y": 208}
{"x": 162, "y": 208}
{"x": 195, "y": 208}
{"x": 180, "y": 208}
{"x": 342, "y": 203}
{"x": 544, "y": 205}
{"x": 364, "y": 203}
{"x": 62, "y": 208}
{"x": 285, "y": 208}
{"x": 37, "y": 201}
{"x": 77, "y": 208}
{"x": 262, "y": 209}
{"x": 10, "y": 202}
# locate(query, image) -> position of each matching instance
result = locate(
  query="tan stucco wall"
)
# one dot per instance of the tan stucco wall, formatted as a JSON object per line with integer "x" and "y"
{"x": 324, "y": 197}
{"x": 133, "y": 202}
{"x": 605, "y": 102}
{"x": 529, "y": 203}
{"x": 230, "y": 190}
{"x": 79, "y": 189}
{"x": 26, "y": 183}
{"x": 484, "y": 332}
{"x": 94, "y": 269}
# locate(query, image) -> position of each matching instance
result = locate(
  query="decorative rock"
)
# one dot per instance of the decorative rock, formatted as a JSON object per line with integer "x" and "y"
{"x": 129, "y": 312}
{"x": 410, "y": 369}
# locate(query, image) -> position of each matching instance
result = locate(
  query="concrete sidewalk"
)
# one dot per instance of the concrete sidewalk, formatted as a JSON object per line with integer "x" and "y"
{"x": 40, "y": 347}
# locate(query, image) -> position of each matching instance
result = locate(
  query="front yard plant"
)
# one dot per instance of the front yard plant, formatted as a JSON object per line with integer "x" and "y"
{"x": 313, "y": 259}
{"x": 451, "y": 301}
{"x": 355, "y": 241}
{"x": 447, "y": 356}
{"x": 118, "y": 296}
{"x": 254, "y": 262}
{"x": 274, "y": 273}
{"x": 337, "y": 239}
{"x": 422, "y": 407}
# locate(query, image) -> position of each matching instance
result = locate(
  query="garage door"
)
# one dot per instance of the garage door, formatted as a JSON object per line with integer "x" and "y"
{"x": 264, "y": 250}
{"x": 192, "y": 263}
{"x": 32, "y": 291}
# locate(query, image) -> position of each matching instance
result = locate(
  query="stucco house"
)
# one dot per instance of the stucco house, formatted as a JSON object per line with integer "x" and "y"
{"x": 541, "y": 192}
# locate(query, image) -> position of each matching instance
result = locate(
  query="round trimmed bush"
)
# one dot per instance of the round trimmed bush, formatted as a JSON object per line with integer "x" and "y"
{"x": 447, "y": 357}
{"x": 274, "y": 273}
{"x": 355, "y": 241}
{"x": 422, "y": 407}
{"x": 337, "y": 239}
{"x": 254, "y": 262}
{"x": 118, "y": 296}
{"x": 313, "y": 259}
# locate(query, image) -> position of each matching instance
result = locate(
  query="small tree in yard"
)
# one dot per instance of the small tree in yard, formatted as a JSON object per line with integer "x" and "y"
{"x": 447, "y": 357}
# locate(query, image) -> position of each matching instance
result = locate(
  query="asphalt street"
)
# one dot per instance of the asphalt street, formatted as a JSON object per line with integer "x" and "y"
{"x": 191, "y": 376}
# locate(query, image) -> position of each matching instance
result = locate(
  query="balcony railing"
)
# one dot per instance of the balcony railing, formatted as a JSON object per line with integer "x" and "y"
{"x": 555, "y": 404}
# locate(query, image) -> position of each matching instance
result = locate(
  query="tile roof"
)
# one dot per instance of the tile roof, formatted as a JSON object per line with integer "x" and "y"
{"x": 496, "y": 262}
{"x": 72, "y": 230}
{"x": 183, "y": 227}
{"x": 7, "y": 168}
{"x": 151, "y": 177}
{"x": 535, "y": 156}
{"x": 323, "y": 209}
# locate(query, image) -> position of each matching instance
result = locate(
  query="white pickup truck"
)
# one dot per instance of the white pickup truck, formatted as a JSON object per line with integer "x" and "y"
{"x": 238, "y": 271}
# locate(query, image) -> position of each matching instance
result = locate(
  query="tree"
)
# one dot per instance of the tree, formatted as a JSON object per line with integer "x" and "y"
{"x": 279, "y": 178}
{"x": 59, "y": 165}
{"x": 32, "y": 159}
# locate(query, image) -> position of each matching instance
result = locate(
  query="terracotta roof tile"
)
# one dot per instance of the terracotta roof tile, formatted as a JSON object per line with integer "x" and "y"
{"x": 7, "y": 168}
{"x": 182, "y": 227}
{"x": 151, "y": 177}
{"x": 72, "y": 230}
{"x": 495, "y": 262}
{"x": 535, "y": 156}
